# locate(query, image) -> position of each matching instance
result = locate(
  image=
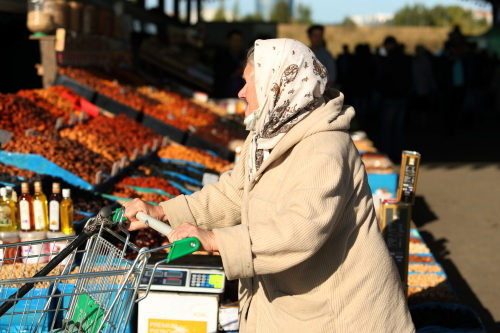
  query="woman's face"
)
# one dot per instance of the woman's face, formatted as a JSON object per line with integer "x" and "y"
{"x": 249, "y": 92}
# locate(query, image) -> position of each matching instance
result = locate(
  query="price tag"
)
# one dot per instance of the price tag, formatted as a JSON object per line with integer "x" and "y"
{"x": 5, "y": 136}
{"x": 192, "y": 129}
{"x": 134, "y": 155}
{"x": 170, "y": 116}
{"x": 122, "y": 91}
{"x": 164, "y": 141}
{"x": 209, "y": 178}
{"x": 59, "y": 123}
{"x": 123, "y": 162}
{"x": 184, "y": 110}
{"x": 114, "y": 169}
{"x": 98, "y": 177}
{"x": 155, "y": 145}
{"x": 145, "y": 150}
{"x": 72, "y": 119}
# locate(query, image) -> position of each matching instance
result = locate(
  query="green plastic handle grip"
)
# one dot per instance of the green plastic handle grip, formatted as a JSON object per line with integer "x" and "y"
{"x": 183, "y": 247}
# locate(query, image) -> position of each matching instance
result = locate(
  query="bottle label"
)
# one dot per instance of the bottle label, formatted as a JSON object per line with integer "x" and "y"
{"x": 5, "y": 216}
{"x": 24, "y": 212}
{"x": 54, "y": 222}
{"x": 39, "y": 215}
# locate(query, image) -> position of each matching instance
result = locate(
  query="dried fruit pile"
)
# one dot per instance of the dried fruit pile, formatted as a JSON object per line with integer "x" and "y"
{"x": 149, "y": 182}
{"x": 66, "y": 153}
{"x": 48, "y": 101}
{"x": 11, "y": 174}
{"x": 18, "y": 114}
{"x": 112, "y": 137}
{"x": 130, "y": 193}
{"x": 193, "y": 154}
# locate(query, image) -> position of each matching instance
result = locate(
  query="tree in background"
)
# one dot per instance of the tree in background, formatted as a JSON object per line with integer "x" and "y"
{"x": 438, "y": 16}
{"x": 348, "y": 22}
{"x": 256, "y": 17}
{"x": 236, "y": 11}
{"x": 281, "y": 13}
{"x": 220, "y": 14}
{"x": 303, "y": 14}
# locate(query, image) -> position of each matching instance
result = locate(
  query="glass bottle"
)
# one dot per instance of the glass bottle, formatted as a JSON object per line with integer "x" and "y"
{"x": 25, "y": 209}
{"x": 7, "y": 198}
{"x": 66, "y": 212}
{"x": 55, "y": 208}
{"x": 40, "y": 211}
{"x": 41, "y": 16}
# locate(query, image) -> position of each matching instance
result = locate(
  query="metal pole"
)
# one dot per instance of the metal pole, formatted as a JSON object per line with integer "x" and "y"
{"x": 198, "y": 11}
{"x": 176, "y": 9}
{"x": 188, "y": 9}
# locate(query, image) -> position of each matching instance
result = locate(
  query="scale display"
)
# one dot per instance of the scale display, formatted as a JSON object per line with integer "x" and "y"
{"x": 186, "y": 280}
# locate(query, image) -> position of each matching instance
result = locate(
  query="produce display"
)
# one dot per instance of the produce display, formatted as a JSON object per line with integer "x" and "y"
{"x": 18, "y": 114}
{"x": 168, "y": 107}
{"x": 11, "y": 174}
{"x": 422, "y": 268}
{"x": 18, "y": 270}
{"x": 377, "y": 163}
{"x": 49, "y": 101}
{"x": 112, "y": 137}
{"x": 66, "y": 153}
{"x": 193, "y": 154}
{"x": 425, "y": 280}
{"x": 157, "y": 169}
{"x": 146, "y": 196}
{"x": 149, "y": 182}
{"x": 439, "y": 293}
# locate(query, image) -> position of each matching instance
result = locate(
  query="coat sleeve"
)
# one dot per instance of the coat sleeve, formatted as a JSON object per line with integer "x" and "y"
{"x": 320, "y": 186}
{"x": 215, "y": 206}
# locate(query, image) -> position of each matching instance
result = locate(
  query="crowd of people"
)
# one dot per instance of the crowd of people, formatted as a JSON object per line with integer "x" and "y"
{"x": 391, "y": 90}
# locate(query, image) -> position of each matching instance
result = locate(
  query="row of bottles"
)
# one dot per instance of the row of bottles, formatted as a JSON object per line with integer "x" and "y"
{"x": 34, "y": 212}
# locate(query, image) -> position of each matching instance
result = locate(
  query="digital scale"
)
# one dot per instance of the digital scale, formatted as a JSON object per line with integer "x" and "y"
{"x": 184, "y": 295}
{"x": 192, "y": 274}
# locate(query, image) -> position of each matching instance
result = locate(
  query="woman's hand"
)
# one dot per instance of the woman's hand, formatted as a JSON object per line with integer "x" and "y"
{"x": 138, "y": 205}
{"x": 185, "y": 230}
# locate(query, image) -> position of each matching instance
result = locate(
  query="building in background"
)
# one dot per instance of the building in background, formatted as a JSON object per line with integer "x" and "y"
{"x": 373, "y": 19}
{"x": 264, "y": 7}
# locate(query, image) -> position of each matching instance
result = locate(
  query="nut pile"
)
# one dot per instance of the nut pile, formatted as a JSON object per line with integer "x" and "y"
{"x": 425, "y": 280}
{"x": 422, "y": 268}
{"x": 439, "y": 293}
{"x": 41, "y": 101}
{"x": 130, "y": 193}
{"x": 18, "y": 114}
{"x": 414, "y": 258}
{"x": 11, "y": 174}
{"x": 21, "y": 270}
{"x": 150, "y": 182}
{"x": 68, "y": 154}
{"x": 193, "y": 154}
{"x": 418, "y": 248}
{"x": 112, "y": 137}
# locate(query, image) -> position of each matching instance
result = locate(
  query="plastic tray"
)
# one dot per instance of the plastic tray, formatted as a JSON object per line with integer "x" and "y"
{"x": 115, "y": 107}
{"x": 162, "y": 128}
{"x": 88, "y": 93}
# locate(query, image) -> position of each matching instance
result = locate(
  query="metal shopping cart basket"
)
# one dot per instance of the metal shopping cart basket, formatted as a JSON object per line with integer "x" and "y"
{"x": 96, "y": 296}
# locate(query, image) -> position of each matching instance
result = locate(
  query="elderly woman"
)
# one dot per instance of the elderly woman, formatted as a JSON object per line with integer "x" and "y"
{"x": 294, "y": 221}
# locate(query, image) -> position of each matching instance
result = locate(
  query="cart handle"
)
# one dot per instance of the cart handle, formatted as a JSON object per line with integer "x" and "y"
{"x": 179, "y": 248}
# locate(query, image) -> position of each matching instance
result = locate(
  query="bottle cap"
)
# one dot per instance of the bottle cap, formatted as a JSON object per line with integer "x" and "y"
{"x": 3, "y": 192}
{"x": 25, "y": 188}
{"x": 66, "y": 192}
{"x": 56, "y": 188}
{"x": 38, "y": 186}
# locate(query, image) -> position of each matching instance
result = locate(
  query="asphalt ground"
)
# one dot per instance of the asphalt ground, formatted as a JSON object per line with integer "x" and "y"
{"x": 457, "y": 208}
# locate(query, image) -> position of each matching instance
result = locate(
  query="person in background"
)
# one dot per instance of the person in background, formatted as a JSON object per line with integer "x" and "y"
{"x": 316, "y": 37}
{"x": 229, "y": 64}
{"x": 423, "y": 82}
{"x": 345, "y": 63}
{"x": 394, "y": 86}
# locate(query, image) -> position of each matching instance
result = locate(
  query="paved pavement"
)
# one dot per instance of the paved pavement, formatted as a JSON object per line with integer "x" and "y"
{"x": 458, "y": 208}
{"x": 458, "y": 211}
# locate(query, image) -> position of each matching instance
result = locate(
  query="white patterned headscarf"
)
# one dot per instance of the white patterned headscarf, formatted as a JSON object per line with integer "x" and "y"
{"x": 289, "y": 80}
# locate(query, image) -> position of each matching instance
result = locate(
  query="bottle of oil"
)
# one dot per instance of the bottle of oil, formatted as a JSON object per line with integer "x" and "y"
{"x": 6, "y": 223}
{"x": 12, "y": 210}
{"x": 66, "y": 212}
{"x": 55, "y": 208}
{"x": 25, "y": 209}
{"x": 40, "y": 211}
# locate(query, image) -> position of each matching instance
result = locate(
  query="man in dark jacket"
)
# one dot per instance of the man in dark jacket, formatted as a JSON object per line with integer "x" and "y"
{"x": 394, "y": 86}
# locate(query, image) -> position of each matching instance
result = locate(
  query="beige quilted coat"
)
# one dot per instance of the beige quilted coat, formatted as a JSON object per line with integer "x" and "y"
{"x": 302, "y": 236}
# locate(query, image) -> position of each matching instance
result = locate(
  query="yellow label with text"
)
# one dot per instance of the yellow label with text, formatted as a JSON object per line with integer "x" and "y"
{"x": 176, "y": 326}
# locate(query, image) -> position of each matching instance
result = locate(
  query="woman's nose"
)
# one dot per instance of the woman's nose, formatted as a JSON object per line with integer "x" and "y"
{"x": 242, "y": 94}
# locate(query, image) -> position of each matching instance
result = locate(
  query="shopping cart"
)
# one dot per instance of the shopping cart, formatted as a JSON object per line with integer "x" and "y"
{"x": 96, "y": 296}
